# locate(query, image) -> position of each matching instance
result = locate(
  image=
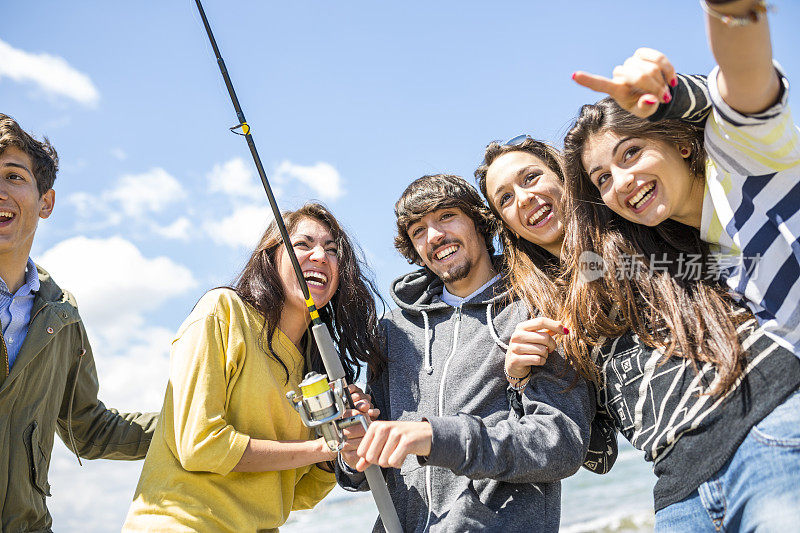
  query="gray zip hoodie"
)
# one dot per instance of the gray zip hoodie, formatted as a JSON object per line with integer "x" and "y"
{"x": 488, "y": 469}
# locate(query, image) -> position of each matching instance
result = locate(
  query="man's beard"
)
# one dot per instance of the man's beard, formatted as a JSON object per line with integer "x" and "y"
{"x": 456, "y": 272}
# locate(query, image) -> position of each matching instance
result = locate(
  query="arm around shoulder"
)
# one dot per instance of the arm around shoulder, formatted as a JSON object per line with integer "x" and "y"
{"x": 87, "y": 426}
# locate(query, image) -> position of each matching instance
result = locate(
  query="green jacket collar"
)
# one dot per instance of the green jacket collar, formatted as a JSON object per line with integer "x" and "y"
{"x": 53, "y": 309}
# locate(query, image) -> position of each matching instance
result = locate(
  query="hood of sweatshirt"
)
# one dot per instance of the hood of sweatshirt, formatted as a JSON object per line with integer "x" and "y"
{"x": 420, "y": 293}
{"x": 421, "y": 290}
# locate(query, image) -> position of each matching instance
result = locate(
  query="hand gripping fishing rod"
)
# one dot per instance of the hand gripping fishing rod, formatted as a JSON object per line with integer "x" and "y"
{"x": 321, "y": 407}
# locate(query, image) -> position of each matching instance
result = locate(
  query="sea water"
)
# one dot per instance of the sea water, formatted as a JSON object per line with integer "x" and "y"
{"x": 620, "y": 501}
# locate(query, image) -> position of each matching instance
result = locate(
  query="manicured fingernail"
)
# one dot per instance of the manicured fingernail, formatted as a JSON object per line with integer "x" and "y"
{"x": 574, "y": 74}
{"x": 673, "y": 82}
{"x": 667, "y": 98}
{"x": 566, "y": 331}
{"x": 651, "y": 101}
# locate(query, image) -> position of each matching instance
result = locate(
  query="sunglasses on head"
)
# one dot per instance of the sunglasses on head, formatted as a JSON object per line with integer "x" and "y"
{"x": 514, "y": 141}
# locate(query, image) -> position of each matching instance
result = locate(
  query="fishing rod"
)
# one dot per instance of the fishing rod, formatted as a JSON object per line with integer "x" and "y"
{"x": 321, "y": 407}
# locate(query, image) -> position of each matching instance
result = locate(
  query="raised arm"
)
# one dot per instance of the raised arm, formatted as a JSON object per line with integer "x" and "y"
{"x": 747, "y": 79}
{"x": 646, "y": 85}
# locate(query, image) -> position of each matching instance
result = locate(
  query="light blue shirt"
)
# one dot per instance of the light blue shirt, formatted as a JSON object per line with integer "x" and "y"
{"x": 454, "y": 301}
{"x": 15, "y": 311}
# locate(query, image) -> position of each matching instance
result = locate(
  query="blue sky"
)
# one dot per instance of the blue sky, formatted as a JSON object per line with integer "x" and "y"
{"x": 349, "y": 102}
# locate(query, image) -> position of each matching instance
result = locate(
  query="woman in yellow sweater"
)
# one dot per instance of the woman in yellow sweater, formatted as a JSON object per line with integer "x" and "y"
{"x": 229, "y": 452}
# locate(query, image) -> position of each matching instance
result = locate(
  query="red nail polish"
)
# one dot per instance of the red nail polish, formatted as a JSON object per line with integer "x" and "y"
{"x": 673, "y": 82}
{"x": 574, "y": 74}
{"x": 651, "y": 101}
{"x": 566, "y": 331}
{"x": 667, "y": 98}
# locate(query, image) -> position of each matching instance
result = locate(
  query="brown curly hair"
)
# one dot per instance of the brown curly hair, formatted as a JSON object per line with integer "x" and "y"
{"x": 440, "y": 191}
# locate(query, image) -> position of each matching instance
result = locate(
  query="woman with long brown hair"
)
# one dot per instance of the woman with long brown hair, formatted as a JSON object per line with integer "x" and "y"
{"x": 229, "y": 452}
{"x": 735, "y": 179}
{"x": 685, "y": 373}
{"x": 689, "y": 388}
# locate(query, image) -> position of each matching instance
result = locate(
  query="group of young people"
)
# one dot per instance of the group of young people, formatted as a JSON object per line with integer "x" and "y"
{"x": 647, "y": 285}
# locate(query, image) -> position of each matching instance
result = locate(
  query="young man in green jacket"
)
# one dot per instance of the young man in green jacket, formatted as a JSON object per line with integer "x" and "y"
{"x": 48, "y": 381}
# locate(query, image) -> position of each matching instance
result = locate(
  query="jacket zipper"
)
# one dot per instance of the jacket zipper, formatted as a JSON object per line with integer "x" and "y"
{"x": 428, "y": 481}
{"x": 4, "y": 349}
{"x": 5, "y": 358}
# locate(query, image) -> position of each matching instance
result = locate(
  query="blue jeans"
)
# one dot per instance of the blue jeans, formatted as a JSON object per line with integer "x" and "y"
{"x": 758, "y": 489}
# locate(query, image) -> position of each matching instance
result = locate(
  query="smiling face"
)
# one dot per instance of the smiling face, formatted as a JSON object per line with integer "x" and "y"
{"x": 646, "y": 181}
{"x": 527, "y": 194}
{"x": 21, "y": 207}
{"x": 318, "y": 255}
{"x": 450, "y": 245}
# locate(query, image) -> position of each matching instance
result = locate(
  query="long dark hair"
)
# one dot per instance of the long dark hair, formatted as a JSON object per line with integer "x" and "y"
{"x": 351, "y": 316}
{"x": 533, "y": 272}
{"x": 684, "y": 315}
{"x": 531, "y": 269}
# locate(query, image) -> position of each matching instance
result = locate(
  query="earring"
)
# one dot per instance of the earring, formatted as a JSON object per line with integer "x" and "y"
{"x": 685, "y": 152}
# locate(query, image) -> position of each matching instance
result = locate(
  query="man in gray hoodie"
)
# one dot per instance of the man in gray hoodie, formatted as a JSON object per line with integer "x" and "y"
{"x": 461, "y": 459}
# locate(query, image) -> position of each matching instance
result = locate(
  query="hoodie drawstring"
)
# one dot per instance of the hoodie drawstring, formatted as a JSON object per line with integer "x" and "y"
{"x": 428, "y": 357}
{"x": 490, "y": 325}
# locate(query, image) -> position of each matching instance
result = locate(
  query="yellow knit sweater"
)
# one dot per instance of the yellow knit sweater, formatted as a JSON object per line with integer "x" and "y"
{"x": 223, "y": 389}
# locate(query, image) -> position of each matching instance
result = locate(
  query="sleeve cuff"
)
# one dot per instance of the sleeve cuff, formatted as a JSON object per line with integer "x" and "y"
{"x": 447, "y": 442}
{"x": 346, "y": 468}
{"x": 234, "y": 455}
{"x": 735, "y": 118}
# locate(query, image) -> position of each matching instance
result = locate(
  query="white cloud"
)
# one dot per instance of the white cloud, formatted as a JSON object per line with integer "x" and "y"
{"x": 92, "y": 208}
{"x": 323, "y": 178}
{"x": 150, "y": 191}
{"x": 178, "y": 230}
{"x": 133, "y": 373}
{"x": 51, "y": 73}
{"x": 243, "y": 228}
{"x": 134, "y": 197}
{"x": 234, "y": 178}
{"x": 110, "y": 277}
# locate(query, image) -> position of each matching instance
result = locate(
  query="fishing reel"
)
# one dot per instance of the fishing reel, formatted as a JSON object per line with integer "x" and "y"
{"x": 321, "y": 407}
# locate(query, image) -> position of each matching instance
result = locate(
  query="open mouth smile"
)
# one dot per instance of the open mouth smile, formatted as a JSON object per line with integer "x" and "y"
{"x": 6, "y": 216}
{"x": 443, "y": 253}
{"x": 642, "y": 197}
{"x": 315, "y": 279}
{"x": 540, "y": 216}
